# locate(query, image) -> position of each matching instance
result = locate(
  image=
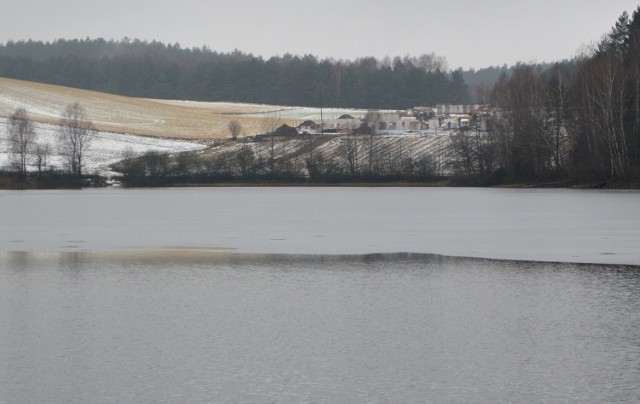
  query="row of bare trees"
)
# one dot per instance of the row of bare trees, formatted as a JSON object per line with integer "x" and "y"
{"x": 356, "y": 157}
{"x": 75, "y": 133}
{"x": 577, "y": 122}
{"x": 21, "y": 137}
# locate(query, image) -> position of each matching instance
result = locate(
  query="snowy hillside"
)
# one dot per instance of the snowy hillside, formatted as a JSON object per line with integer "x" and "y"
{"x": 149, "y": 117}
{"x": 105, "y": 149}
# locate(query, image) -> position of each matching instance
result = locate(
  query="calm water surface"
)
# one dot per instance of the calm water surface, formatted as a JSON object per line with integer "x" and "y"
{"x": 283, "y": 295}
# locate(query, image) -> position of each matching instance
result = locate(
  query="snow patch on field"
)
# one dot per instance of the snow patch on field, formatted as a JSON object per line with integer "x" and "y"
{"x": 310, "y": 113}
{"x": 106, "y": 148}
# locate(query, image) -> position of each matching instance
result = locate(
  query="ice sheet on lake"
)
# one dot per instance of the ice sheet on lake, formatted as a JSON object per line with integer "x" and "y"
{"x": 560, "y": 225}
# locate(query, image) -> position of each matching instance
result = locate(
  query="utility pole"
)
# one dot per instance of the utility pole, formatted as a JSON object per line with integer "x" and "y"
{"x": 321, "y": 120}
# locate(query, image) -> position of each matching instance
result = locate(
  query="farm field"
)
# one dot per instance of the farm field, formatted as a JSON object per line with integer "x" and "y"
{"x": 150, "y": 117}
{"x": 381, "y": 148}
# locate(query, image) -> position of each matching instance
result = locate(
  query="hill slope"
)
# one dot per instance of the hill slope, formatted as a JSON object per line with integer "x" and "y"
{"x": 152, "y": 117}
{"x": 139, "y": 116}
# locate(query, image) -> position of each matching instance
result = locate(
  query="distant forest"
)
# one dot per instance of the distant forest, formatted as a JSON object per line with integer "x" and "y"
{"x": 156, "y": 70}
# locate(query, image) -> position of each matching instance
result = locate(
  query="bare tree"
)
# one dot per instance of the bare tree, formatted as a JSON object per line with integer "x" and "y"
{"x": 21, "y": 138}
{"x": 599, "y": 135}
{"x": 130, "y": 165}
{"x": 349, "y": 151}
{"x": 425, "y": 167}
{"x": 246, "y": 160}
{"x": 557, "y": 110}
{"x": 76, "y": 132}
{"x": 474, "y": 153}
{"x": 610, "y": 99}
{"x": 463, "y": 152}
{"x": 372, "y": 119}
{"x": 270, "y": 124}
{"x": 522, "y": 97}
{"x": 235, "y": 128}
{"x": 430, "y": 62}
{"x": 315, "y": 164}
{"x": 186, "y": 164}
{"x": 42, "y": 156}
{"x": 156, "y": 164}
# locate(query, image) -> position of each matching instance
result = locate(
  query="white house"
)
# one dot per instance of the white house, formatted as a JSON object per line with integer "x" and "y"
{"x": 344, "y": 124}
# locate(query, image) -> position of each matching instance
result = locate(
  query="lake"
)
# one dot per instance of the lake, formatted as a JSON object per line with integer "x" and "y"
{"x": 319, "y": 294}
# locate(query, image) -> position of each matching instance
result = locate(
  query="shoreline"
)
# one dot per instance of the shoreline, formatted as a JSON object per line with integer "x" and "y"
{"x": 12, "y": 183}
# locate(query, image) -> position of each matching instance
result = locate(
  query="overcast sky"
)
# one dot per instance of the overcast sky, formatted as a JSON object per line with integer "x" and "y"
{"x": 469, "y": 33}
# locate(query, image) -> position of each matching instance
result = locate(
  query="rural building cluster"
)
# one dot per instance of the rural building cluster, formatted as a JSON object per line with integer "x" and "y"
{"x": 417, "y": 120}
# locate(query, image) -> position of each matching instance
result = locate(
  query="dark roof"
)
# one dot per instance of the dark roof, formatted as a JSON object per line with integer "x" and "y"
{"x": 286, "y": 130}
{"x": 307, "y": 123}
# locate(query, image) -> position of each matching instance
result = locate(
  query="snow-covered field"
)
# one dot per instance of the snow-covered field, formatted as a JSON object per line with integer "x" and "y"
{"x": 151, "y": 117}
{"x": 105, "y": 149}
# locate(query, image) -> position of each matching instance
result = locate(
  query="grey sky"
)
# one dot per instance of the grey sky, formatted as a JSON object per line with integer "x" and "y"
{"x": 469, "y": 33}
